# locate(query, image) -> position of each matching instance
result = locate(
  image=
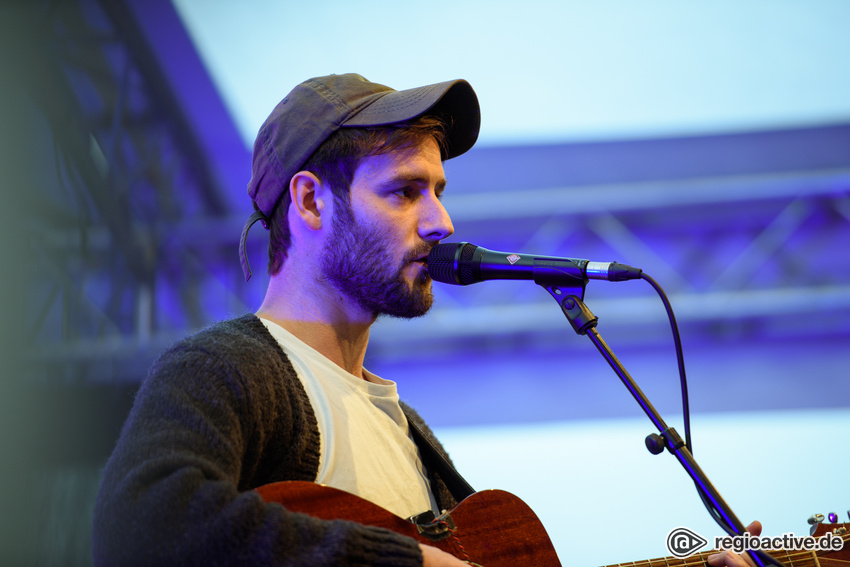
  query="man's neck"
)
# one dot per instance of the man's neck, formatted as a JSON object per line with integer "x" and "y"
{"x": 324, "y": 321}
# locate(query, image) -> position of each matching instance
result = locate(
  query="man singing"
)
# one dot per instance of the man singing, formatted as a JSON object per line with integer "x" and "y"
{"x": 347, "y": 175}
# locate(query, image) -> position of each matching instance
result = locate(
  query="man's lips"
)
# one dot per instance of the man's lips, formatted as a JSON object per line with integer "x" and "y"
{"x": 420, "y": 257}
{"x": 421, "y": 264}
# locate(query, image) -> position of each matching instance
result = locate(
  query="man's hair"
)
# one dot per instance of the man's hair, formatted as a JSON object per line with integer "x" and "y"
{"x": 335, "y": 162}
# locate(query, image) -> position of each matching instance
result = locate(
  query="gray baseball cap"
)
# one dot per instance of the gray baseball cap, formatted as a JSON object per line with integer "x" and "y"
{"x": 318, "y": 107}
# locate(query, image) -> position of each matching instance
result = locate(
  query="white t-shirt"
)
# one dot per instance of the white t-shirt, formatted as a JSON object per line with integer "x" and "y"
{"x": 366, "y": 448}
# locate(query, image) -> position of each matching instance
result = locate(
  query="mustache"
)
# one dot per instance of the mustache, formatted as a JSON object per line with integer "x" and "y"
{"x": 421, "y": 251}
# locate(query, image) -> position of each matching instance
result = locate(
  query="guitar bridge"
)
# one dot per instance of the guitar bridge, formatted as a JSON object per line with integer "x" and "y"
{"x": 434, "y": 528}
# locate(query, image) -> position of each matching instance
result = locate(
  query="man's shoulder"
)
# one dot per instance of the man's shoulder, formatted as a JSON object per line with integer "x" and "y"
{"x": 238, "y": 342}
{"x": 230, "y": 333}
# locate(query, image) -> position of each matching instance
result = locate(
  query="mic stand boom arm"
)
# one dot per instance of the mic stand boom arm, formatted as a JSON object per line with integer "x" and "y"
{"x": 568, "y": 291}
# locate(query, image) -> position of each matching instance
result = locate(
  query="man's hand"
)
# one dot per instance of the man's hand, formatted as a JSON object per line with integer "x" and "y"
{"x": 732, "y": 559}
{"x": 433, "y": 557}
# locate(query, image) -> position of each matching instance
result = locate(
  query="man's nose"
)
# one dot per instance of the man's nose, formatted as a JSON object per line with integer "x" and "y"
{"x": 435, "y": 224}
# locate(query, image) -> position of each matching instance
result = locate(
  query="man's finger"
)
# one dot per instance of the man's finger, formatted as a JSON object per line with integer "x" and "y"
{"x": 729, "y": 559}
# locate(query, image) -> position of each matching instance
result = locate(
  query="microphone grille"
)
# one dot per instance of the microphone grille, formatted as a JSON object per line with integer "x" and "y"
{"x": 441, "y": 262}
{"x": 466, "y": 275}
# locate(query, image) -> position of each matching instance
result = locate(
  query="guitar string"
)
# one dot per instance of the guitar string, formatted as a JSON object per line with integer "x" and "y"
{"x": 788, "y": 557}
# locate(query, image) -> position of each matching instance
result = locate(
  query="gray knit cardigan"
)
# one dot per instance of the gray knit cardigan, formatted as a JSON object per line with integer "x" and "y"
{"x": 220, "y": 413}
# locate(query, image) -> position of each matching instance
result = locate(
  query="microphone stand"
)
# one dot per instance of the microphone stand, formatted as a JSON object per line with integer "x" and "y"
{"x": 568, "y": 291}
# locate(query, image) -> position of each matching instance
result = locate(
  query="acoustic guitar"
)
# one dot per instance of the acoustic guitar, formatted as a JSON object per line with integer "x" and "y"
{"x": 492, "y": 528}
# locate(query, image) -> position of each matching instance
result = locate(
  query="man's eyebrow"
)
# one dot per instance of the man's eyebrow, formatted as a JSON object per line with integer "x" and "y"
{"x": 403, "y": 179}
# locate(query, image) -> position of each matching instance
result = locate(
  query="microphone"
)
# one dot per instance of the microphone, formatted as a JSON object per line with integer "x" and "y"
{"x": 464, "y": 263}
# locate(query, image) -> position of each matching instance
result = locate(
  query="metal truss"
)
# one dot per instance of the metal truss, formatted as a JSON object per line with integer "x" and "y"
{"x": 761, "y": 254}
{"x": 110, "y": 283}
{"x": 133, "y": 245}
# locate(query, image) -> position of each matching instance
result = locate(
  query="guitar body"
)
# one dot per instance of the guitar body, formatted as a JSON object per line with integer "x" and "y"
{"x": 492, "y": 528}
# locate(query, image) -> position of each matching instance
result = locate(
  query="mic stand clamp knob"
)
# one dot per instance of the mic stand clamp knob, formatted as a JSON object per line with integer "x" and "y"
{"x": 655, "y": 443}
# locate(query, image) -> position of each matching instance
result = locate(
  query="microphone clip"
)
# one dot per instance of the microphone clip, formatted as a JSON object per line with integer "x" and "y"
{"x": 569, "y": 299}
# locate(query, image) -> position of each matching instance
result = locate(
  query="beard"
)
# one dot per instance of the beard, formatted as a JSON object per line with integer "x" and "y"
{"x": 357, "y": 260}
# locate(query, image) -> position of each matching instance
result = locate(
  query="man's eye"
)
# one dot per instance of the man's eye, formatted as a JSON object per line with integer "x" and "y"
{"x": 404, "y": 193}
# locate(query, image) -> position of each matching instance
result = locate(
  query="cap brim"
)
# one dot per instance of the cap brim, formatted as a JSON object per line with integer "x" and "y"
{"x": 454, "y": 99}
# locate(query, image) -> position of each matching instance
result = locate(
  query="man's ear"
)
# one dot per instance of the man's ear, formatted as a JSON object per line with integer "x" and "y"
{"x": 311, "y": 200}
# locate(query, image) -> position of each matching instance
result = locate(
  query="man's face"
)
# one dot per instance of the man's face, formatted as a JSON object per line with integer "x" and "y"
{"x": 377, "y": 250}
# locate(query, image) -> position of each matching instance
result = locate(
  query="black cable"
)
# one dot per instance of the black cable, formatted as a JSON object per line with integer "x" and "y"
{"x": 686, "y": 411}
{"x": 686, "y": 408}
{"x": 680, "y": 358}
